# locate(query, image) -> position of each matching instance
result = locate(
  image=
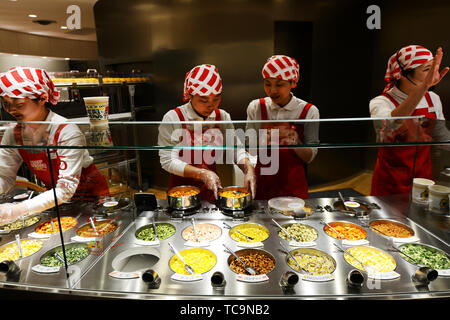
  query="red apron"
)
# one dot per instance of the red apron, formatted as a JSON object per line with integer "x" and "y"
{"x": 291, "y": 178}
{"x": 205, "y": 193}
{"x": 393, "y": 171}
{"x": 92, "y": 184}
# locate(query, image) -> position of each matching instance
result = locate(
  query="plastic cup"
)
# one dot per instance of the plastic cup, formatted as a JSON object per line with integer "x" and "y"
{"x": 420, "y": 190}
{"x": 439, "y": 197}
{"x": 97, "y": 109}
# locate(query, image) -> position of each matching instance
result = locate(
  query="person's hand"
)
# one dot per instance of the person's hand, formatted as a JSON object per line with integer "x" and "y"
{"x": 10, "y": 212}
{"x": 250, "y": 179}
{"x": 434, "y": 76}
{"x": 211, "y": 180}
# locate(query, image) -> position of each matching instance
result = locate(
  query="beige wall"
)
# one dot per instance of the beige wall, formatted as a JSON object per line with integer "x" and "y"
{"x": 27, "y": 44}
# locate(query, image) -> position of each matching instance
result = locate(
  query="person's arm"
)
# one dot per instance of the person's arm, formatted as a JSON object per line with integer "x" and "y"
{"x": 407, "y": 107}
{"x": 10, "y": 162}
{"x": 311, "y": 136}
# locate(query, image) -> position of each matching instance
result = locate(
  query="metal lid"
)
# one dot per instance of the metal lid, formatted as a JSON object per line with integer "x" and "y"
{"x": 286, "y": 204}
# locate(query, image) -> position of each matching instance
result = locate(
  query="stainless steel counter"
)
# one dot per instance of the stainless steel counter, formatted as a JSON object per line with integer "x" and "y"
{"x": 92, "y": 277}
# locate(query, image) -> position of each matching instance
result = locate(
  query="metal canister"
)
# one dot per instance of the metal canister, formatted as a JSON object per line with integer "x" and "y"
{"x": 183, "y": 202}
{"x": 234, "y": 203}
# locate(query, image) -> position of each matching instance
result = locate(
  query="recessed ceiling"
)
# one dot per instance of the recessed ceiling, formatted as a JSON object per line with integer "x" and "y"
{"x": 14, "y": 15}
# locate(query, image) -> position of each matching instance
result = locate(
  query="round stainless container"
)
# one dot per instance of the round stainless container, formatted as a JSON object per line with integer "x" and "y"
{"x": 431, "y": 248}
{"x": 344, "y": 224}
{"x": 244, "y": 252}
{"x": 183, "y": 202}
{"x": 375, "y": 223}
{"x": 67, "y": 246}
{"x": 309, "y": 251}
{"x": 234, "y": 203}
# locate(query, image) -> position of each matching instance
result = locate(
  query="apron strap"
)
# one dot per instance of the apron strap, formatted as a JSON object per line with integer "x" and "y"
{"x": 385, "y": 94}
{"x": 180, "y": 116}
{"x": 262, "y": 103}
{"x": 305, "y": 110}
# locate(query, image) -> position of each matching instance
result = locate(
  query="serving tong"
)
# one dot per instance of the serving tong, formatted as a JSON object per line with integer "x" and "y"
{"x": 232, "y": 228}
{"x": 195, "y": 229}
{"x": 250, "y": 270}
{"x": 340, "y": 235}
{"x": 187, "y": 267}
{"x": 286, "y": 251}
{"x": 154, "y": 229}
{"x": 284, "y": 230}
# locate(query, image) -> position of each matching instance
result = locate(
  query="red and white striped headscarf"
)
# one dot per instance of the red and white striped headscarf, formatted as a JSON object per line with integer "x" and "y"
{"x": 202, "y": 80}
{"x": 24, "y": 82}
{"x": 281, "y": 67}
{"x": 410, "y": 57}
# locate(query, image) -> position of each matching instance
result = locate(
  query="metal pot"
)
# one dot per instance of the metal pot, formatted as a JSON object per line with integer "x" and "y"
{"x": 183, "y": 202}
{"x": 234, "y": 203}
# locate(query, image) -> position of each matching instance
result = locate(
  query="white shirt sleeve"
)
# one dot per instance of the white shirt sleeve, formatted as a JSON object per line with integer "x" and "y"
{"x": 311, "y": 131}
{"x": 168, "y": 136}
{"x": 380, "y": 108}
{"x": 69, "y": 171}
{"x": 10, "y": 162}
{"x": 240, "y": 153}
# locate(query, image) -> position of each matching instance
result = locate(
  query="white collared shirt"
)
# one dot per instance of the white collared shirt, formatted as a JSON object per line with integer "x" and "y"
{"x": 291, "y": 111}
{"x": 169, "y": 159}
{"x": 68, "y": 179}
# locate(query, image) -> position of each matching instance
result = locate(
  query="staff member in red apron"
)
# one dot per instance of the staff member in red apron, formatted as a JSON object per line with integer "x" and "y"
{"x": 411, "y": 71}
{"x": 25, "y": 94}
{"x": 202, "y": 94}
{"x": 281, "y": 74}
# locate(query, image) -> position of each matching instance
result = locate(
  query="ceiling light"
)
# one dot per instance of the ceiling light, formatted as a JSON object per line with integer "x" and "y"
{"x": 67, "y": 59}
{"x": 63, "y": 27}
{"x": 32, "y": 16}
{"x": 15, "y": 55}
{"x": 44, "y": 57}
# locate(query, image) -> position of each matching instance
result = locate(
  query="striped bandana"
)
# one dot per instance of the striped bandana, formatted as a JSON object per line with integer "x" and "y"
{"x": 24, "y": 82}
{"x": 410, "y": 57}
{"x": 202, "y": 80}
{"x": 281, "y": 67}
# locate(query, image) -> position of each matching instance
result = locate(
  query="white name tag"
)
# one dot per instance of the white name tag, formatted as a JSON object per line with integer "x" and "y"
{"x": 383, "y": 275}
{"x": 250, "y": 244}
{"x": 36, "y": 235}
{"x": 317, "y": 278}
{"x": 43, "y": 269}
{"x": 186, "y": 277}
{"x": 248, "y": 278}
{"x": 444, "y": 273}
{"x": 355, "y": 242}
{"x": 124, "y": 275}
{"x": 405, "y": 240}
{"x": 293, "y": 243}
{"x": 196, "y": 244}
{"x": 147, "y": 243}
{"x": 83, "y": 239}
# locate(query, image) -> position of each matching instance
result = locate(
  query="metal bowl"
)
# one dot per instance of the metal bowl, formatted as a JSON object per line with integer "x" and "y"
{"x": 244, "y": 252}
{"x": 234, "y": 203}
{"x": 48, "y": 221}
{"x": 19, "y": 221}
{"x": 423, "y": 245}
{"x": 193, "y": 249}
{"x": 183, "y": 202}
{"x": 9, "y": 243}
{"x": 197, "y": 227}
{"x": 150, "y": 226}
{"x": 375, "y": 223}
{"x": 67, "y": 246}
{"x": 255, "y": 224}
{"x": 88, "y": 225}
{"x": 309, "y": 251}
{"x": 344, "y": 224}
{"x": 291, "y": 224}
{"x": 364, "y": 209}
{"x": 374, "y": 249}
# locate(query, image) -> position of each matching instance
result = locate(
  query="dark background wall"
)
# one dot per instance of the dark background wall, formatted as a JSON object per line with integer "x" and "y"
{"x": 342, "y": 62}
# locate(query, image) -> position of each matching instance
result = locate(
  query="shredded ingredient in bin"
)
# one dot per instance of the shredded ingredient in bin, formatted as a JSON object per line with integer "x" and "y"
{"x": 299, "y": 232}
{"x": 11, "y": 251}
{"x": 164, "y": 230}
{"x": 73, "y": 255}
{"x": 392, "y": 229}
{"x": 103, "y": 227}
{"x": 314, "y": 264}
{"x": 375, "y": 258}
{"x": 66, "y": 223}
{"x": 430, "y": 257}
{"x": 19, "y": 225}
{"x": 183, "y": 192}
{"x": 261, "y": 263}
{"x": 233, "y": 194}
{"x": 257, "y": 232}
{"x": 205, "y": 232}
{"x": 349, "y": 232}
{"x": 201, "y": 260}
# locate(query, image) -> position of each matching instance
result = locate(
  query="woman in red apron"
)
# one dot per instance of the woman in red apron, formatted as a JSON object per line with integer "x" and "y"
{"x": 281, "y": 74}
{"x": 410, "y": 73}
{"x": 25, "y": 94}
{"x": 197, "y": 167}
